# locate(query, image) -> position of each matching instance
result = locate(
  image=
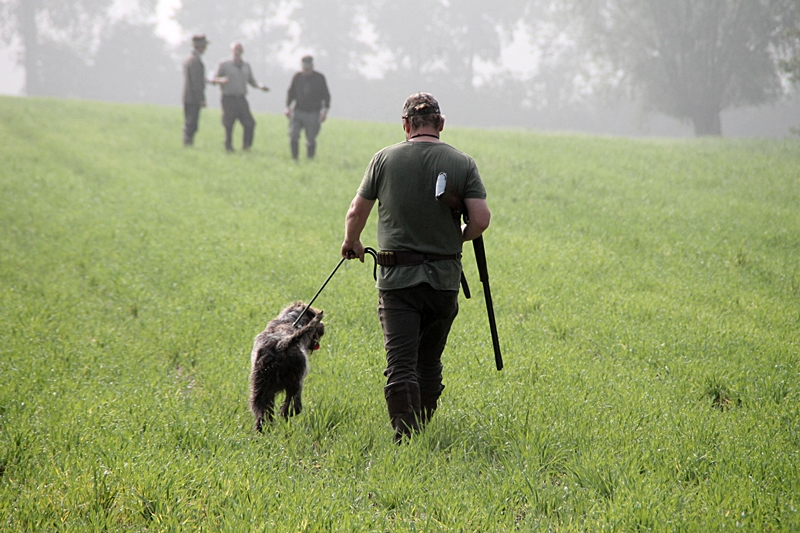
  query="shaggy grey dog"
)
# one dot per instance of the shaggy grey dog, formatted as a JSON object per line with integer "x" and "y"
{"x": 279, "y": 361}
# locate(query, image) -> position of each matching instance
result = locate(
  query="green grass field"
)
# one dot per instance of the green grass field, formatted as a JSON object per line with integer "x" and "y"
{"x": 648, "y": 302}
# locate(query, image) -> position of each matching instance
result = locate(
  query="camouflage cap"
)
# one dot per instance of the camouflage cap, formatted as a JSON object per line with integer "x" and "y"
{"x": 420, "y": 104}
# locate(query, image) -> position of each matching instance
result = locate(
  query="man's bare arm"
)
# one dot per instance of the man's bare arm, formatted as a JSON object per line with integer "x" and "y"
{"x": 356, "y": 219}
{"x": 479, "y": 218}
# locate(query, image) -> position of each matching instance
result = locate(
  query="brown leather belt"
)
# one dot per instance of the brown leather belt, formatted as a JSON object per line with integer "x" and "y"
{"x": 390, "y": 259}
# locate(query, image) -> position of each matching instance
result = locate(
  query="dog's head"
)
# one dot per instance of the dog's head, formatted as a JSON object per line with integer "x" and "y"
{"x": 290, "y": 313}
{"x": 312, "y": 317}
{"x": 319, "y": 329}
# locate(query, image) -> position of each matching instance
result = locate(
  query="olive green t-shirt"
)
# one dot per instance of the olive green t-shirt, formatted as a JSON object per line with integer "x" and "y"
{"x": 402, "y": 177}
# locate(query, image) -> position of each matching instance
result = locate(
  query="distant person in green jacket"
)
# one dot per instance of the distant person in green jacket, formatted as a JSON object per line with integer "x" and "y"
{"x": 194, "y": 88}
{"x": 234, "y": 75}
{"x": 311, "y": 98}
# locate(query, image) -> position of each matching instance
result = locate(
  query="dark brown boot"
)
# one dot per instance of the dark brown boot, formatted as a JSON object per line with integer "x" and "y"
{"x": 428, "y": 402}
{"x": 403, "y": 403}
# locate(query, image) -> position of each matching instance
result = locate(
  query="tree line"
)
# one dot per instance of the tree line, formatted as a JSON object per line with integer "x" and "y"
{"x": 689, "y": 59}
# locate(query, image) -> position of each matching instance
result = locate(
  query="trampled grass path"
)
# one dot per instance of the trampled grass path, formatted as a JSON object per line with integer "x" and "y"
{"x": 647, "y": 295}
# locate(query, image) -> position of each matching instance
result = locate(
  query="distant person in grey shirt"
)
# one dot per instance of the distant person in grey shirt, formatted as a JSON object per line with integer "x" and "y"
{"x": 233, "y": 76}
{"x": 194, "y": 88}
{"x": 309, "y": 93}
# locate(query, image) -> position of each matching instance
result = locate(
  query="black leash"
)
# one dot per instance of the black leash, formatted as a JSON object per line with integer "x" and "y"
{"x": 374, "y": 254}
{"x": 294, "y": 324}
{"x": 368, "y": 250}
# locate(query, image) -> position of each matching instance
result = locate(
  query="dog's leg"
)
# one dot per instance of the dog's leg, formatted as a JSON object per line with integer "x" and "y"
{"x": 269, "y": 406}
{"x": 297, "y": 403}
{"x": 262, "y": 409}
{"x": 293, "y": 404}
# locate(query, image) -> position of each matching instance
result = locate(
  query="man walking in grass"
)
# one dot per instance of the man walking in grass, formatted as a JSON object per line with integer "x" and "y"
{"x": 419, "y": 277}
{"x": 309, "y": 93}
{"x": 234, "y": 75}
{"x": 194, "y": 88}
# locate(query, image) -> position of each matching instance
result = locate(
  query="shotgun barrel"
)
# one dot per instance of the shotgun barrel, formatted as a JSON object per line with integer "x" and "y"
{"x": 445, "y": 191}
{"x": 483, "y": 274}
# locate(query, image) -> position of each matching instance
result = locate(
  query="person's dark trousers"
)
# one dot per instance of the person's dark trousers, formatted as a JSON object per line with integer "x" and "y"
{"x": 416, "y": 322}
{"x": 191, "y": 119}
{"x": 304, "y": 120}
{"x": 236, "y": 108}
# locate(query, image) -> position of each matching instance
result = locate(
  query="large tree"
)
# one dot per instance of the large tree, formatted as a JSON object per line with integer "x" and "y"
{"x": 440, "y": 40}
{"x": 132, "y": 65}
{"x": 691, "y": 59}
{"x": 60, "y": 39}
{"x": 43, "y": 25}
{"x": 332, "y": 31}
{"x": 791, "y": 51}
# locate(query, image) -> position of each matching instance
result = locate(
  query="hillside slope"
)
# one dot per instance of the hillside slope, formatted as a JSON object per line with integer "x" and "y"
{"x": 646, "y": 291}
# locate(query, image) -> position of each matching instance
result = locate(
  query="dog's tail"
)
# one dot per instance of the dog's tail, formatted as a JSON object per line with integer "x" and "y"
{"x": 304, "y": 335}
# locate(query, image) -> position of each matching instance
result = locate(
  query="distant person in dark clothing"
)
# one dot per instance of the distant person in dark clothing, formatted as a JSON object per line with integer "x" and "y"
{"x": 233, "y": 76}
{"x": 309, "y": 93}
{"x": 194, "y": 88}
